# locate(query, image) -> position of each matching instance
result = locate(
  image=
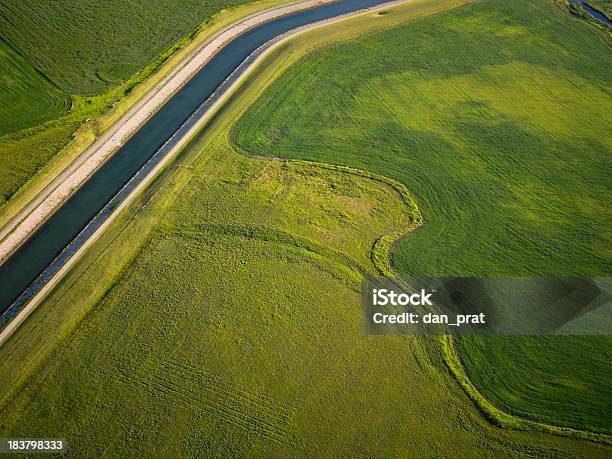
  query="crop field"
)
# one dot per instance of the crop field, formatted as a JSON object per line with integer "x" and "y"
{"x": 573, "y": 382}
{"x": 234, "y": 329}
{"x": 87, "y": 46}
{"x": 234, "y": 326}
{"x": 27, "y": 100}
{"x": 26, "y": 97}
{"x": 78, "y": 47}
{"x": 496, "y": 117}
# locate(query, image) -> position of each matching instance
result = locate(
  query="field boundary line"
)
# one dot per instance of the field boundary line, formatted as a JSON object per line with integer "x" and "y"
{"x": 381, "y": 257}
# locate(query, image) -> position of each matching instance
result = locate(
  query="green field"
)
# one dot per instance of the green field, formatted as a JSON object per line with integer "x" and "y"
{"x": 565, "y": 380}
{"x": 25, "y": 152}
{"x": 496, "y": 117}
{"x": 248, "y": 295}
{"x": 233, "y": 327}
{"x": 221, "y": 312}
{"x": 50, "y": 47}
{"x": 26, "y": 97}
{"x": 30, "y": 135}
{"x": 88, "y": 46}
{"x": 235, "y": 330}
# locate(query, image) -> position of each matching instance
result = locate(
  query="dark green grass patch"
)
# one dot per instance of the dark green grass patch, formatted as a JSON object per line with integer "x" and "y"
{"x": 496, "y": 117}
{"x": 583, "y": 398}
{"x": 89, "y": 45}
{"x": 24, "y": 152}
{"x": 26, "y": 97}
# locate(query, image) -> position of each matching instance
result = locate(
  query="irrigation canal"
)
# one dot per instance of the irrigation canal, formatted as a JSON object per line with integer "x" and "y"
{"x": 42, "y": 256}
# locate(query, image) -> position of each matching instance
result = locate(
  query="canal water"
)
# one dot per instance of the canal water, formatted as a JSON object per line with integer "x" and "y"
{"x": 26, "y": 264}
{"x": 593, "y": 12}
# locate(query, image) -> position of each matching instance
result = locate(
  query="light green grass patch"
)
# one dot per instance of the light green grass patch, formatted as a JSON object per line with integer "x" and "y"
{"x": 504, "y": 141}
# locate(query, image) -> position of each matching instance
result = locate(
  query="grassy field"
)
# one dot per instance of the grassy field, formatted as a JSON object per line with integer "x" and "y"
{"x": 88, "y": 46}
{"x": 496, "y": 116}
{"x": 559, "y": 382}
{"x": 23, "y": 153}
{"x": 34, "y": 155}
{"x": 26, "y": 97}
{"x": 233, "y": 327}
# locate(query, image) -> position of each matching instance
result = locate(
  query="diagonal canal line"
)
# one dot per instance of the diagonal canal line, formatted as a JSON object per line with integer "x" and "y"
{"x": 67, "y": 221}
{"x": 33, "y": 295}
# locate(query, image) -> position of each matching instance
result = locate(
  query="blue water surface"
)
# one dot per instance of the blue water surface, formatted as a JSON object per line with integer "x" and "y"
{"x": 29, "y": 268}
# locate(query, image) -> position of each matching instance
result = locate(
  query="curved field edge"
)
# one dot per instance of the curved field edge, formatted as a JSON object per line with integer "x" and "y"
{"x": 499, "y": 417}
{"x": 138, "y": 232}
{"x": 325, "y": 259}
{"x": 381, "y": 255}
{"x": 59, "y": 141}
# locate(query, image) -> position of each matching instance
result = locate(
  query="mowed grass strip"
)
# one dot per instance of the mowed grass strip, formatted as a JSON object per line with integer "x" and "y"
{"x": 496, "y": 116}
